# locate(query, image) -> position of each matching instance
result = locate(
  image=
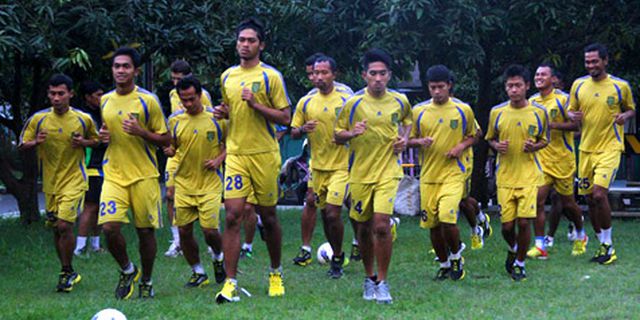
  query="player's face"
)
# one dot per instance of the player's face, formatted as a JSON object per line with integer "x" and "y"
{"x": 93, "y": 100}
{"x": 439, "y": 91}
{"x": 377, "y": 77}
{"x": 594, "y": 64}
{"x": 248, "y": 45}
{"x": 323, "y": 74}
{"x": 543, "y": 78}
{"x": 516, "y": 88}
{"x": 309, "y": 71}
{"x": 59, "y": 96}
{"x": 123, "y": 69}
{"x": 190, "y": 100}
{"x": 175, "y": 77}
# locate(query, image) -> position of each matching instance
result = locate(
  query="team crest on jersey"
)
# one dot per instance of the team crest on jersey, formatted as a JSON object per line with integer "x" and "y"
{"x": 554, "y": 113}
{"x": 394, "y": 118}
{"x": 611, "y": 101}
{"x": 211, "y": 135}
{"x": 532, "y": 130}
{"x": 255, "y": 87}
{"x": 453, "y": 124}
{"x": 337, "y": 111}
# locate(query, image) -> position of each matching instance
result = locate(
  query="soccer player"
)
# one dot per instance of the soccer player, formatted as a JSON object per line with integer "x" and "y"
{"x": 133, "y": 125}
{"x": 179, "y": 70}
{"x": 601, "y": 103}
{"x": 315, "y": 115}
{"x": 60, "y": 134}
{"x": 376, "y": 122}
{"x": 199, "y": 138}
{"x": 558, "y": 162}
{"x": 443, "y": 129}
{"x": 517, "y": 130}
{"x": 255, "y": 97}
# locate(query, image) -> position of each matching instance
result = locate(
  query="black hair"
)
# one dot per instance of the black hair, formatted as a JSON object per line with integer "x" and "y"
{"x": 254, "y": 24}
{"x": 90, "y": 87}
{"x": 310, "y": 60}
{"x": 548, "y": 65}
{"x": 376, "y": 55}
{"x": 181, "y": 66}
{"x": 131, "y": 52}
{"x": 188, "y": 82}
{"x": 439, "y": 73}
{"x": 517, "y": 70}
{"x": 60, "y": 79}
{"x": 331, "y": 61}
{"x": 603, "y": 53}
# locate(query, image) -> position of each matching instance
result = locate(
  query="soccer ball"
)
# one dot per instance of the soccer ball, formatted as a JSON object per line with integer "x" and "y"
{"x": 325, "y": 253}
{"x": 109, "y": 314}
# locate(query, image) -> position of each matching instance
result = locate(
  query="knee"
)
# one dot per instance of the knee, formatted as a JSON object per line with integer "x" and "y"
{"x": 185, "y": 231}
{"x": 233, "y": 219}
{"x": 523, "y": 223}
{"x": 382, "y": 227}
{"x": 208, "y": 232}
{"x": 599, "y": 196}
{"x": 310, "y": 199}
{"x": 64, "y": 228}
{"x": 110, "y": 229}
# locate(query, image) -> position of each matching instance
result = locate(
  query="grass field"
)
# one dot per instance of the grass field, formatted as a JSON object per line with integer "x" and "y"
{"x": 562, "y": 287}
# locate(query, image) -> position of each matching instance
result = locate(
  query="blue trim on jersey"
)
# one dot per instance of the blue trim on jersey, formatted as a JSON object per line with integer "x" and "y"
{"x": 400, "y": 102}
{"x": 619, "y": 95}
{"x": 266, "y": 82}
{"x": 495, "y": 126}
{"x": 224, "y": 80}
{"x": 105, "y": 103}
{"x": 418, "y": 123}
{"x": 84, "y": 125}
{"x": 578, "y": 90}
{"x": 175, "y": 130}
{"x": 464, "y": 120}
{"x": 352, "y": 157}
{"x": 84, "y": 174}
{"x": 343, "y": 100}
{"x": 535, "y": 159}
{"x": 353, "y": 110}
{"x": 146, "y": 149}
{"x": 615, "y": 130}
{"x": 564, "y": 116}
{"x": 105, "y": 161}
{"x": 497, "y": 163}
{"x": 146, "y": 110}
{"x": 220, "y": 175}
{"x": 218, "y": 129}
{"x": 304, "y": 106}
{"x": 462, "y": 167}
{"x": 177, "y": 113}
{"x": 566, "y": 143}
{"x": 273, "y": 135}
{"x": 284, "y": 84}
{"x": 40, "y": 123}
{"x": 100, "y": 172}
{"x": 539, "y": 122}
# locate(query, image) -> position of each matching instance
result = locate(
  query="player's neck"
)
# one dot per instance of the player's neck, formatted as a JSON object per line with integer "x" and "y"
{"x": 519, "y": 104}
{"x": 375, "y": 94}
{"x": 546, "y": 91}
{"x": 327, "y": 91}
{"x": 125, "y": 88}
{"x": 441, "y": 102}
{"x": 600, "y": 77}
{"x": 250, "y": 63}
{"x": 196, "y": 111}
{"x": 62, "y": 110}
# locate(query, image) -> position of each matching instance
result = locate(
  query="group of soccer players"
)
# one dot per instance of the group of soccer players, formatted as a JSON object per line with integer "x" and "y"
{"x": 231, "y": 151}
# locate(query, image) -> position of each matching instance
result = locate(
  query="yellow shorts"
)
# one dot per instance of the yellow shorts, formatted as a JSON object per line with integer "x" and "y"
{"x": 170, "y": 172}
{"x": 440, "y": 203}
{"x": 330, "y": 187}
{"x": 203, "y": 207}
{"x": 563, "y": 186}
{"x": 597, "y": 168}
{"x": 253, "y": 173}
{"x": 143, "y": 197}
{"x": 370, "y": 198}
{"x": 64, "y": 206}
{"x": 517, "y": 203}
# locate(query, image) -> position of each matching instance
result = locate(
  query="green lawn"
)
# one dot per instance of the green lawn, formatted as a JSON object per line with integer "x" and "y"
{"x": 562, "y": 287}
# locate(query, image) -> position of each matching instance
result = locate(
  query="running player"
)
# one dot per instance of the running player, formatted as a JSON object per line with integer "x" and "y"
{"x": 255, "y": 97}
{"x": 517, "y": 130}
{"x": 558, "y": 163}
{"x": 601, "y": 103}
{"x": 133, "y": 125}
{"x": 315, "y": 115}
{"x": 376, "y": 122}
{"x": 199, "y": 138}
{"x": 179, "y": 70}
{"x": 91, "y": 92}
{"x": 443, "y": 130}
{"x": 60, "y": 134}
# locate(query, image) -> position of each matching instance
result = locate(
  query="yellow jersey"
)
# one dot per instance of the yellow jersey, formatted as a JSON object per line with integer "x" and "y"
{"x": 249, "y": 131}
{"x": 600, "y": 101}
{"x": 557, "y": 158}
{"x": 448, "y": 124}
{"x": 371, "y": 156}
{"x": 130, "y": 158}
{"x": 325, "y": 153}
{"x": 176, "y": 104}
{"x": 62, "y": 166}
{"x": 198, "y": 138}
{"x": 516, "y": 168}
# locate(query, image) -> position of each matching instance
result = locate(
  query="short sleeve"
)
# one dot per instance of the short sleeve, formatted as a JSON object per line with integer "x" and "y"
{"x": 157, "y": 122}
{"x": 492, "y": 127}
{"x": 298, "y": 114}
{"x": 342, "y": 122}
{"x": 573, "y": 98}
{"x": 627, "y": 99}
{"x": 30, "y": 129}
{"x": 278, "y": 92}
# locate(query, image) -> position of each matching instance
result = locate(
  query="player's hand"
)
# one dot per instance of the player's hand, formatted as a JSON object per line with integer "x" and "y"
{"x": 620, "y": 118}
{"x": 309, "y": 126}
{"x": 77, "y": 141}
{"x": 247, "y": 96}
{"x": 400, "y": 144}
{"x": 169, "y": 151}
{"x": 104, "y": 134}
{"x": 132, "y": 126}
{"x": 576, "y": 116}
{"x": 529, "y": 146}
{"x": 359, "y": 128}
{"x": 502, "y": 146}
{"x": 41, "y": 136}
{"x": 213, "y": 164}
{"x": 221, "y": 111}
{"x": 425, "y": 142}
{"x": 456, "y": 152}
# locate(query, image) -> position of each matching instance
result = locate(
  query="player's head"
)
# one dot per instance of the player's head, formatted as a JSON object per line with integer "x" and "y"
{"x": 545, "y": 76}
{"x": 91, "y": 91}
{"x": 596, "y": 58}
{"x": 250, "y": 39}
{"x": 190, "y": 91}
{"x": 308, "y": 64}
{"x": 516, "y": 82}
{"x": 60, "y": 91}
{"x": 377, "y": 70}
{"x": 439, "y": 83}
{"x": 125, "y": 65}
{"x": 179, "y": 70}
{"x": 324, "y": 72}
{"x": 558, "y": 79}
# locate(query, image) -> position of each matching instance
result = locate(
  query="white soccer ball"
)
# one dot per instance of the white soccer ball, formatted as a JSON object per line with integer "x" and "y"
{"x": 325, "y": 253}
{"x": 109, "y": 314}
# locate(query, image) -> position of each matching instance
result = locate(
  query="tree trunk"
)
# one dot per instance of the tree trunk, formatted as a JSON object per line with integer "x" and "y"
{"x": 25, "y": 190}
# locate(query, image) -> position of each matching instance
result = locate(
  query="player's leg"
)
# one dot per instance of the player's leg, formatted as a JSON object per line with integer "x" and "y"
{"x": 439, "y": 245}
{"x": 249, "y": 224}
{"x": 355, "y": 249}
{"x": 553, "y": 218}
{"x": 523, "y": 241}
{"x": 384, "y": 194}
{"x": 209, "y": 216}
{"x": 65, "y": 241}
{"x": 448, "y": 202}
{"x": 334, "y": 231}
{"x": 84, "y": 226}
{"x": 468, "y": 207}
{"x": 539, "y": 250}
{"x": 174, "y": 249}
{"x": 601, "y": 201}
{"x": 231, "y": 236}
{"x": 307, "y": 226}
{"x": 566, "y": 200}
{"x": 507, "y": 218}
{"x": 190, "y": 251}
